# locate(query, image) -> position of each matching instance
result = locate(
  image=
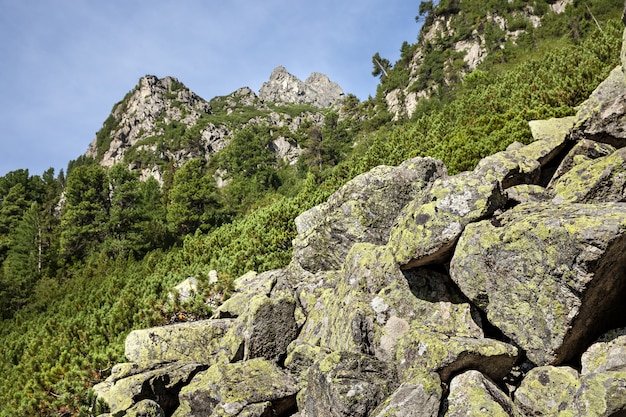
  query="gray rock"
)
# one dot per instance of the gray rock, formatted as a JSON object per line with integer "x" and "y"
{"x": 584, "y": 150}
{"x": 473, "y": 394}
{"x": 199, "y": 341}
{"x": 593, "y": 181}
{"x": 145, "y": 408}
{"x": 238, "y": 389}
{"x": 363, "y": 210}
{"x": 418, "y": 397}
{"x": 525, "y": 193}
{"x": 284, "y": 87}
{"x": 607, "y": 354}
{"x": 602, "y": 117}
{"x": 161, "y": 385}
{"x": 346, "y": 385}
{"x": 429, "y": 226}
{"x": 550, "y": 277}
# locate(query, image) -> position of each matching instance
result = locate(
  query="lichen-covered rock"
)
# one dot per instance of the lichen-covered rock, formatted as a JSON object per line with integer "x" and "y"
{"x": 582, "y": 151}
{"x": 548, "y": 391}
{"x": 238, "y": 389}
{"x": 363, "y": 210}
{"x": 428, "y": 227}
{"x": 607, "y": 354}
{"x": 346, "y": 385}
{"x": 145, "y": 408}
{"x": 199, "y": 341}
{"x": 551, "y": 277}
{"x": 161, "y": 384}
{"x": 472, "y": 395}
{"x": 510, "y": 168}
{"x": 593, "y": 181}
{"x": 437, "y": 352}
{"x": 527, "y": 193}
{"x": 420, "y": 396}
{"x": 602, "y": 117}
{"x": 269, "y": 326}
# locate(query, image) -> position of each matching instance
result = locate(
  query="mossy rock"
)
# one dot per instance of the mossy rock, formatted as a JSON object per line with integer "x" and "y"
{"x": 199, "y": 341}
{"x": 420, "y": 396}
{"x": 548, "y": 391}
{"x": 607, "y": 354}
{"x": 428, "y": 228}
{"x": 474, "y": 395}
{"x": 228, "y": 389}
{"x": 363, "y": 210}
{"x": 593, "y": 181}
{"x": 584, "y": 150}
{"x": 602, "y": 117}
{"x": 550, "y": 277}
{"x": 344, "y": 384}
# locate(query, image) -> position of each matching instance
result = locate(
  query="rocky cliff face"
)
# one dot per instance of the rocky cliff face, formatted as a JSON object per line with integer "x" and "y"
{"x": 316, "y": 90}
{"x": 471, "y": 48}
{"x": 498, "y": 291}
{"x": 161, "y": 121}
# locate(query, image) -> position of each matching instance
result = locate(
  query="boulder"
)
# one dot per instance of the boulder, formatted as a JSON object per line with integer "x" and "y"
{"x": 199, "y": 341}
{"x": 607, "y": 354}
{"x": 161, "y": 385}
{"x": 420, "y": 396}
{"x": 346, "y": 384}
{"x": 582, "y": 151}
{"x": 550, "y": 277}
{"x": 527, "y": 193}
{"x": 473, "y": 395}
{"x": 246, "y": 388}
{"x": 145, "y": 408}
{"x": 363, "y": 210}
{"x": 428, "y": 228}
{"x": 593, "y": 181}
{"x": 602, "y": 117}
{"x": 550, "y": 390}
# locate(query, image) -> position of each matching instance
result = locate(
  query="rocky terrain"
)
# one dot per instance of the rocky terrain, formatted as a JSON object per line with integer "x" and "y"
{"x": 497, "y": 291}
{"x": 161, "y": 121}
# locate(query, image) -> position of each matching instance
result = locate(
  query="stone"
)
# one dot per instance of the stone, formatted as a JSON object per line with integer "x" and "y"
{"x": 473, "y": 395}
{"x": 593, "y": 181}
{"x": 550, "y": 390}
{"x": 420, "y": 396}
{"x": 428, "y": 227}
{"x": 550, "y": 277}
{"x": 199, "y": 341}
{"x": 317, "y": 90}
{"x": 346, "y": 385}
{"x": 184, "y": 291}
{"x": 527, "y": 193}
{"x": 242, "y": 387}
{"x": 363, "y": 210}
{"x": 161, "y": 385}
{"x": 607, "y": 354}
{"x": 602, "y": 117}
{"x": 145, "y": 408}
{"x": 582, "y": 151}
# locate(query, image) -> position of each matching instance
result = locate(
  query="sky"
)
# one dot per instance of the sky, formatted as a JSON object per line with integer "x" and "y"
{"x": 65, "y": 63}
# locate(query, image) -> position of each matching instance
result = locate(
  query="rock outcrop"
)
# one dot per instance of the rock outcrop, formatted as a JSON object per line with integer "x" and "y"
{"x": 498, "y": 291}
{"x": 317, "y": 90}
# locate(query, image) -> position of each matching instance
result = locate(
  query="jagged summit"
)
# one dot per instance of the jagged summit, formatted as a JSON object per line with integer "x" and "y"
{"x": 317, "y": 90}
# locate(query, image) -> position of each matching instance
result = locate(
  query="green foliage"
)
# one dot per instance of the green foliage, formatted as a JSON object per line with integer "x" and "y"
{"x": 71, "y": 288}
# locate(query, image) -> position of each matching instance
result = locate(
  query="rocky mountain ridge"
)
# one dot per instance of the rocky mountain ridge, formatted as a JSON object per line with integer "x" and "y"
{"x": 162, "y": 121}
{"x": 497, "y": 291}
{"x": 468, "y": 49}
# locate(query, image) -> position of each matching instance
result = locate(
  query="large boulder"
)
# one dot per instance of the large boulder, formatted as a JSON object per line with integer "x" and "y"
{"x": 419, "y": 396}
{"x": 346, "y": 385}
{"x": 363, "y": 210}
{"x": 593, "y": 181}
{"x": 602, "y": 117}
{"x": 582, "y": 151}
{"x": 474, "y": 395}
{"x": 199, "y": 341}
{"x": 429, "y": 226}
{"x": 550, "y": 277}
{"x": 253, "y": 387}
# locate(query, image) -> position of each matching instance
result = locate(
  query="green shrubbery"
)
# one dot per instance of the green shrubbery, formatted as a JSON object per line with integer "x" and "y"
{"x": 106, "y": 265}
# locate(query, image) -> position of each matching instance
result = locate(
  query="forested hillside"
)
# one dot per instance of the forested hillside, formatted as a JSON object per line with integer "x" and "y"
{"x": 90, "y": 253}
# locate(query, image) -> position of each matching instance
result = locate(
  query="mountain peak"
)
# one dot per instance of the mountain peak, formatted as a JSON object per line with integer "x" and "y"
{"x": 318, "y": 90}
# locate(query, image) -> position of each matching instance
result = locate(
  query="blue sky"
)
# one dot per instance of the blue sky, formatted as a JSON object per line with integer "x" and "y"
{"x": 65, "y": 63}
